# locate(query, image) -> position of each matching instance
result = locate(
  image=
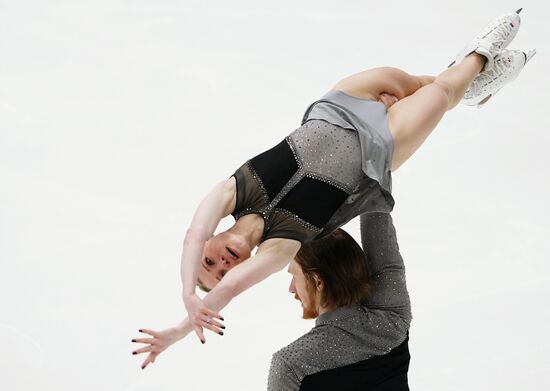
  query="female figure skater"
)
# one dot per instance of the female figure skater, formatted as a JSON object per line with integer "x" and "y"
{"x": 334, "y": 167}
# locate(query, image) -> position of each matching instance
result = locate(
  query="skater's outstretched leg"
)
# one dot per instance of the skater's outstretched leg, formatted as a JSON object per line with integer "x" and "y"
{"x": 423, "y": 101}
{"x": 412, "y": 119}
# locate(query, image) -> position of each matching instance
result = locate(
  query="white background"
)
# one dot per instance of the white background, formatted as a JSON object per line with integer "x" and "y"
{"x": 116, "y": 118}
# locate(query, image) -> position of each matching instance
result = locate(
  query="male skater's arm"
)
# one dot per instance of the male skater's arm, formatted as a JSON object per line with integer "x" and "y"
{"x": 386, "y": 266}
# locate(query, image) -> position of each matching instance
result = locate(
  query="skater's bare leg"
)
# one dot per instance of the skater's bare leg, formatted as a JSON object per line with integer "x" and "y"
{"x": 412, "y": 119}
{"x": 370, "y": 84}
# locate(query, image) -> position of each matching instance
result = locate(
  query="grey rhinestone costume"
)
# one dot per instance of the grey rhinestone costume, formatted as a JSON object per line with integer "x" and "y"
{"x": 356, "y": 334}
{"x": 331, "y": 169}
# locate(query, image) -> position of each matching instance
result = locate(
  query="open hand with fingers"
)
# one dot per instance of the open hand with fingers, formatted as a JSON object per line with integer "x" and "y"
{"x": 157, "y": 344}
{"x": 202, "y": 317}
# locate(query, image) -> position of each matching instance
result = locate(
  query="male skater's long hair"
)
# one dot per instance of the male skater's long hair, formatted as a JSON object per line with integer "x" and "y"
{"x": 341, "y": 264}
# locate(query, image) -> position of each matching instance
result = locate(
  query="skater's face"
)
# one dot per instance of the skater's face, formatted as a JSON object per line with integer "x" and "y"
{"x": 221, "y": 253}
{"x": 304, "y": 291}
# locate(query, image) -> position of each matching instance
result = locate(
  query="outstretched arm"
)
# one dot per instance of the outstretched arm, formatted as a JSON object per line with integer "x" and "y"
{"x": 386, "y": 266}
{"x": 272, "y": 256}
{"x": 216, "y": 205}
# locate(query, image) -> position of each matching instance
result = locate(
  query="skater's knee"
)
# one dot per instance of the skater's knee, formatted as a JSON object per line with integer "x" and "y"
{"x": 399, "y": 82}
{"x": 424, "y": 80}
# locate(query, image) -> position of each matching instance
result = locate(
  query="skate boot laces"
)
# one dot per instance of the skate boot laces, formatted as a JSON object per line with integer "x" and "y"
{"x": 502, "y": 65}
{"x": 500, "y": 33}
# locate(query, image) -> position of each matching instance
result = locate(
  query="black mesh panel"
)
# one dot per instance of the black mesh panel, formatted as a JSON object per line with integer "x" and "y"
{"x": 313, "y": 201}
{"x": 275, "y": 167}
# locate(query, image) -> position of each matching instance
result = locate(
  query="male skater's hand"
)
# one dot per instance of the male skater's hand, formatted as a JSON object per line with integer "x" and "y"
{"x": 200, "y": 316}
{"x": 156, "y": 345}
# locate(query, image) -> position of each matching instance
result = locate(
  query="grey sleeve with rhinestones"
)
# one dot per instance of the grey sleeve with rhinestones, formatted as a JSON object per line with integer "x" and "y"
{"x": 281, "y": 376}
{"x": 386, "y": 266}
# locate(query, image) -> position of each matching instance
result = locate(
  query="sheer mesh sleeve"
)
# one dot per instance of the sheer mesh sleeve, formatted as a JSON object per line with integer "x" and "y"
{"x": 251, "y": 197}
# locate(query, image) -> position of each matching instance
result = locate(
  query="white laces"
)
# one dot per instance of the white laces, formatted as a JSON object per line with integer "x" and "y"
{"x": 501, "y": 33}
{"x": 501, "y": 66}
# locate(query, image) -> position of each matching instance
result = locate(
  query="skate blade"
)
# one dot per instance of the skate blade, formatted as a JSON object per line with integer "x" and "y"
{"x": 486, "y": 99}
{"x": 529, "y": 55}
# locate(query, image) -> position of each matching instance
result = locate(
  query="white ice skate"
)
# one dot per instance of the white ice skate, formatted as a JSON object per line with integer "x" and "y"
{"x": 492, "y": 39}
{"x": 507, "y": 66}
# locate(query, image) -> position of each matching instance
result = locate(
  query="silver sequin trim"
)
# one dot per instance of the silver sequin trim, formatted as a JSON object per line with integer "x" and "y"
{"x": 258, "y": 179}
{"x": 330, "y": 181}
{"x": 249, "y": 211}
{"x": 292, "y": 146}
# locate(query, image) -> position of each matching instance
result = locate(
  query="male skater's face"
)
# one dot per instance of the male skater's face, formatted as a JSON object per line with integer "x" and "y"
{"x": 303, "y": 291}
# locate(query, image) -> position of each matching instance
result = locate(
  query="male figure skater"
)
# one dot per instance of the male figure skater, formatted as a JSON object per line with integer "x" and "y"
{"x": 360, "y": 338}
